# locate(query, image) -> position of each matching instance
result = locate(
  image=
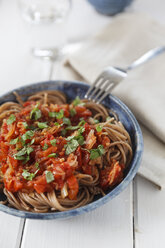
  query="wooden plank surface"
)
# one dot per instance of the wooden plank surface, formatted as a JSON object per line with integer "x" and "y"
{"x": 10, "y": 230}
{"x": 110, "y": 224}
{"x": 150, "y": 220}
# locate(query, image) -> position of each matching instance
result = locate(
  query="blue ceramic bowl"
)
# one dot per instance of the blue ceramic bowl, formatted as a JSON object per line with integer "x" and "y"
{"x": 109, "y": 7}
{"x": 73, "y": 89}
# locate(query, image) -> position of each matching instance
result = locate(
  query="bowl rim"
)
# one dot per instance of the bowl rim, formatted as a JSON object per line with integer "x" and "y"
{"x": 118, "y": 189}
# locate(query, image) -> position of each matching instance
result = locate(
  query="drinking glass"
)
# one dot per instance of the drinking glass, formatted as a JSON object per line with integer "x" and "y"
{"x": 46, "y": 21}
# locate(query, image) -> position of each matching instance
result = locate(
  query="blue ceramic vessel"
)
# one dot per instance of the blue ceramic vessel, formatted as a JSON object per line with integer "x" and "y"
{"x": 110, "y": 7}
{"x": 73, "y": 89}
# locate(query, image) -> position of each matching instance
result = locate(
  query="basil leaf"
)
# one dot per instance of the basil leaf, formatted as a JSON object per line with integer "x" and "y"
{"x": 58, "y": 115}
{"x": 71, "y": 146}
{"x": 70, "y": 137}
{"x": 14, "y": 141}
{"x": 53, "y": 142}
{"x": 56, "y": 124}
{"x": 66, "y": 121}
{"x": 19, "y": 157}
{"x": 95, "y": 153}
{"x": 80, "y": 140}
{"x": 25, "y": 125}
{"x": 81, "y": 130}
{"x": 45, "y": 147}
{"x": 27, "y": 175}
{"x": 77, "y": 101}
{"x": 21, "y": 152}
{"x": 35, "y": 113}
{"x": 99, "y": 128}
{"x": 29, "y": 150}
{"x": 96, "y": 121}
{"x": 36, "y": 165}
{"x": 52, "y": 155}
{"x": 72, "y": 127}
{"x": 52, "y": 114}
{"x": 49, "y": 176}
{"x": 26, "y": 159}
{"x": 82, "y": 123}
{"x": 27, "y": 136}
{"x": 73, "y": 112}
{"x": 11, "y": 119}
{"x": 101, "y": 149}
{"x": 32, "y": 141}
{"x": 42, "y": 125}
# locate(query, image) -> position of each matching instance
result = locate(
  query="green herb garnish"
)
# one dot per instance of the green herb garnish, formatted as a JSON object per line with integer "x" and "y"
{"x": 14, "y": 141}
{"x": 45, "y": 147}
{"x": 82, "y": 123}
{"x": 29, "y": 150}
{"x": 73, "y": 112}
{"x": 27, "y": 175}
{"x": 81, "y": 130}
{"x": 57, "y": 115}
{"x": 60, "y": 114}
{"x": 71, "y": 146}
{"x": 56, "y": 124}
{"x": 66, "y": 121}
{"x": 99, "y": 128}
{"x": 23, "y": 154}
{"x": 35, "y": 113}
{"x": 32, "y": 141}
{"x": 36, "y": 165}
{"x": 49, "y": 176}
{"x": 25, "y": 125}
{"x": 95, "y": 153}
{"x": 96, "y": 121}
{"x": 52, "y": 155}
{"x": 53, "y": 142}
{"x": 11, "y": 119}
{"x": 77, "y": 102}
{"x": 27, "y": 136}
{"x": 80, "y": 140}
{"x": 42, "y": 125}
{"x": 72, "y": 127}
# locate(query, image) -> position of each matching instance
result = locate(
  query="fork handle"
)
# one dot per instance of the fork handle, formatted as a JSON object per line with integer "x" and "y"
{"x": 145, "y": 57}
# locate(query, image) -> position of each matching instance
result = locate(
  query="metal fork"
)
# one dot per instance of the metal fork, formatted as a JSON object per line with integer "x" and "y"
{"x": 112, "y": 76}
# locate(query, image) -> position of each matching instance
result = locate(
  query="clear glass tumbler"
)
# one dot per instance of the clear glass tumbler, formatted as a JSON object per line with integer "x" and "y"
{"x": 46, "y": 19}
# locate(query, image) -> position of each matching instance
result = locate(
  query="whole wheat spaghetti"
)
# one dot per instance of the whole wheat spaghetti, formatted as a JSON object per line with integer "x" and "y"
{"x": 56, "y": 156}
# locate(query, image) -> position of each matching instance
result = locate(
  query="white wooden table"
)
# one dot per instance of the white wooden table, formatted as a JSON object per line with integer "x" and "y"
{"x": 134, "y": 219}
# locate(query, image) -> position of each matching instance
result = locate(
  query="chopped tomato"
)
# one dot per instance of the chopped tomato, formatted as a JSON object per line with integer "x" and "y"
{"x": 105, "y": 141}
{"x": 82, "y": 111}
{"x": 111, "y": 175}
{"x": 41, "y": 185}
{"x": 13, "y": 185}
{"x": 73, "y": 187}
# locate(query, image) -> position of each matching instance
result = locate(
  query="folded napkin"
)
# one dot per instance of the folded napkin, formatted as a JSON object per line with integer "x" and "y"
{"x": 125, "y": 39}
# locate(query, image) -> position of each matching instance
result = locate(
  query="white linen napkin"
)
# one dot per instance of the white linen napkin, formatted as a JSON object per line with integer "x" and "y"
{"x": 125, "y": 39}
